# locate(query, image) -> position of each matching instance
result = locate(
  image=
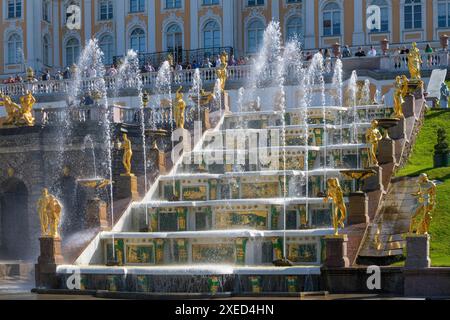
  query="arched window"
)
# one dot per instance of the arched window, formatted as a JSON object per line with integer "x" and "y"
{"x": 15, "y": 52}
{"x": 413, "y": 14}
{"x": 294, "y": 28}
{"x": 331, "y": 19}
{"x": 106, "y": 45}
{"x": 174, "y": 38}
{"x": 211, "y": 35}
{"x": 46, "y": 50}
{"x": 443, "y": 13}
{"x": 255, "y": 33}
{"x": 137, "y": 40}
{"x": 72, "y": 51}
{"x": 384, "y": 8}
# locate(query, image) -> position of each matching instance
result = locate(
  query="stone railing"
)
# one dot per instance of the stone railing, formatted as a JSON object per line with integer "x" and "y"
{"x": 238, "y": 75}
{"x": 154, "y": 117}
{"x": 430, "y": 61}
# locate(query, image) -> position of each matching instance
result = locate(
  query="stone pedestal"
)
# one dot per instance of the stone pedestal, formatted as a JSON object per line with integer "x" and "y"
{"x": 205, "y": 120}
{"x": 417, "y": 252}
{"x": 399, "y": 131}
{"x": 375, "y": 182}
{"x": 50, "y": 257}
{"x": 336, "y": 251}
{"x": 386, "y": 151}
{"x": 358, "y": 208}
{"x": 96, "y": 216}
{"x": 126, "y": 187}
{"x": 409, "y": 106}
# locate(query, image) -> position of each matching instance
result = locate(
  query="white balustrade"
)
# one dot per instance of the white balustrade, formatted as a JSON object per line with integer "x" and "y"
{"x": 240, "y": 73}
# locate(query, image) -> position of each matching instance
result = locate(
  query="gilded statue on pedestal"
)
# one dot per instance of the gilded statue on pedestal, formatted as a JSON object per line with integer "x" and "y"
{"x": 414, "y": 62}
{"x": 127, "y": 154}
{"x": 19, "y": 115}
{"x": 27, "y": 102}
{"x": 222, "y": 70}
{"x": 373, "y": 137}
{"x": 398, "y": 97}
{"x": 49, "y": 210}
{"x": 335, "y": 193}
{"x": 180, "y": 107}
{"x": 426, "y": 197}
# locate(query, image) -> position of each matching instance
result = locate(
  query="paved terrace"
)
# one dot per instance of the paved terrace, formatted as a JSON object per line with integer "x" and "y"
{"x": 378, "y": 68}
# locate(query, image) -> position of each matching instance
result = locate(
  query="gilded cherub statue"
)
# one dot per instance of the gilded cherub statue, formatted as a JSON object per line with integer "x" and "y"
{"x": 426, "y": 196}
{"x": 335, "y": 193}
{"x": 373, "y": 137}
{"x": 127, "y": 154}
{"x": 398, "y": 97}
{"x": 49, "y": 210}
{"x": 414, "y": 62}
{"x": 222, "y": 70}
{"x": 180, "y": 107}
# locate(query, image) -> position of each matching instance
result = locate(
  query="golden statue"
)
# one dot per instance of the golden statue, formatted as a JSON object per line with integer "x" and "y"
{"x": 426, "y": 196}
{"x": 127, "y": 154}
{"x": 335, "y": 193}
{"x": 12, "y": 110}
{"x": 398, "y": 97}
{"x": 222, "y": 70}
{"x": 49, "y": 210}
{"x": 405, "y": 86}
{"x": 27, "y": 102}
{"x": 180, "y": 106}
{"x": 373, "y": 137}
{"x": 19, "y": 115}
{"x": 414, "y": 62}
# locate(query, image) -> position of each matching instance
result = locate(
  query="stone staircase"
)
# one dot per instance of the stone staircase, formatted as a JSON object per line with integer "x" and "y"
{"x": 383, "y": 241}
{"x": 385, "y": 234}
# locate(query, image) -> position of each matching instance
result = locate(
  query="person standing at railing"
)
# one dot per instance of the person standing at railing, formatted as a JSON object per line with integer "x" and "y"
{"x": 372, "y": 52}
{"x": 46, "y": 75}
{"x": 360, "y": 52}
{"x": 346, "y": 53}
{"x": 397, "y": 59}
{"x": 66, "y": 74}
{"x": 429, "y": 52}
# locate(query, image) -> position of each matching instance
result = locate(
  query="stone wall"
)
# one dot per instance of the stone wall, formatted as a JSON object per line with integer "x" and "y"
{"x": 34, "y": 157}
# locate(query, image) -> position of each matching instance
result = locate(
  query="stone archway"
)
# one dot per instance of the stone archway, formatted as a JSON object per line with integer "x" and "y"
{"x": 14, "y": 231}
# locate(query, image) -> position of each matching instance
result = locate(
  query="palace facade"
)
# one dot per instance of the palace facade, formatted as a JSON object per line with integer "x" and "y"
{"x": 35, "y": 32}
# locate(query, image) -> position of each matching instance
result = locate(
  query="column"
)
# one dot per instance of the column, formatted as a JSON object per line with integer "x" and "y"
{"x": 151, "y": 25}
{"x": 276, "y": 10}
{"x": 29, "y": 34}
{"x": 194, "y": 25}
{"x": 87, "y": 23}
{"x": 228, "y": 24}
{"x": 56, "y": 43}
{"x": 358, "y": 32}
{"x": 120, "y": 13}
{"x": 310, "y": 41}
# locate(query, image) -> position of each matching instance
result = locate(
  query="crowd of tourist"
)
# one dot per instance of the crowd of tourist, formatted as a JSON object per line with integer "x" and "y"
{"x": 214, "y": 62}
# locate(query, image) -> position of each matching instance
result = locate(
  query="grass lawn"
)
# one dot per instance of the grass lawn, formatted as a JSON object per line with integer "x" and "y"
{"x": 421, "y": 161}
